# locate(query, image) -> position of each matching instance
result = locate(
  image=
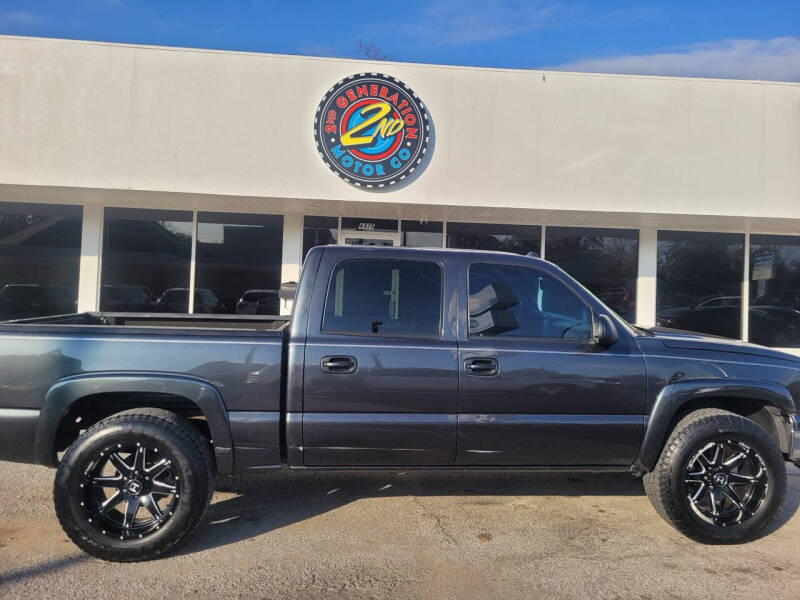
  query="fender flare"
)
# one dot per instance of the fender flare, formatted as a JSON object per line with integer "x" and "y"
{"x": 675, "y": 395}
{"x": 65, "y": 392}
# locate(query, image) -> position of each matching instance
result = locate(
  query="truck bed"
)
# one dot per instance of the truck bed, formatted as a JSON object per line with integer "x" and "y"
{"x": 121, "y": 319}
{"x": 230, "y": 365}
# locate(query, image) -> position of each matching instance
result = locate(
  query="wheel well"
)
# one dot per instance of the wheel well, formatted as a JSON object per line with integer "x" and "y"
{"x": 761, "y": 414}
{"x": 86, "y": 411}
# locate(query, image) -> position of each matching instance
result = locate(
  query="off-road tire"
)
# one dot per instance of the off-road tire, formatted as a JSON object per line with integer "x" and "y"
{"x": 666, "y": 488}
{"x": 191, "y": 462}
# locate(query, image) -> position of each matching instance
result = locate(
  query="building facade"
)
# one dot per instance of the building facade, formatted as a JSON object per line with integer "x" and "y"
{"x": 178, "y": 180}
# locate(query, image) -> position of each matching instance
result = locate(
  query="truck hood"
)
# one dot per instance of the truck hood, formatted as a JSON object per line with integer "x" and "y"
{"x": 676, "y": 338}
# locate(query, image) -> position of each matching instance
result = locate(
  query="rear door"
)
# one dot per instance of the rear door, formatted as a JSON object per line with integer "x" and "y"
{"x": 535, "y": 388}
{"x": 380, "y": 367}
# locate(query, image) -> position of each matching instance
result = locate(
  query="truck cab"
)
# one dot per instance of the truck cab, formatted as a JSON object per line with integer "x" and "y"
{"x": 438, "y": 358}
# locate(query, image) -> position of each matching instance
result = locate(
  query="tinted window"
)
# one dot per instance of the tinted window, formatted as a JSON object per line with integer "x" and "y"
{"x": 515, "y": 301}
{"x": 399, "y": 297}
{"x": 236, "y": 253}
{"x": 422, "y": 235}
{"x": 148, "y": 251}
{"x": 319, "y": 231}
{"x": 520, "y": 239}
{"x": 775, "y": 290}
{"x": 40, "y": 248}
{"x": 699, "y": 281}
{"x": 604, "y": 260}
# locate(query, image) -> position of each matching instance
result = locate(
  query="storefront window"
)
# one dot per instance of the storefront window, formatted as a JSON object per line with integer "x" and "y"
{"x": 238, "y": 263}
{"x": 40, "y": 247}
{"x": 417, "y": 234}
{"x": 319, "y": 231}
{"x": 146, "y": 258}
{"x": 775, "y": 290}
{"x": 520, "y": 239}
{"x": 604, "y": 260}
{"x": 699, "y": 282}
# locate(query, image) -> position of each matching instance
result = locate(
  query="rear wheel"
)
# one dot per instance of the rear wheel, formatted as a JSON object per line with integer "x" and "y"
{"x": 720, "y": 478}
{"x": 134, "y": 485}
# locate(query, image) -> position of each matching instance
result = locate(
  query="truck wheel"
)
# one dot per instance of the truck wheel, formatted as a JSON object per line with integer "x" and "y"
{"x": 720, "y": 478}
{"x": 134, "y": 485}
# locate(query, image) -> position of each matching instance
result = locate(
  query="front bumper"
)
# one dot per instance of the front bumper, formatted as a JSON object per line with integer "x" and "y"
{"x": 794, "y": 440}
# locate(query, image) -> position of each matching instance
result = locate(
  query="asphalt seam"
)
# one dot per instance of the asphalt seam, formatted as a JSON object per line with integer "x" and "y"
{"x": 436, "y": 518}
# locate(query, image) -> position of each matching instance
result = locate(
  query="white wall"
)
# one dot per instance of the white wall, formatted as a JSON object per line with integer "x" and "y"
{"x": 92, "y": 115}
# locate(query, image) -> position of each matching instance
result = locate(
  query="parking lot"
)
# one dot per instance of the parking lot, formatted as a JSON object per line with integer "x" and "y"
{"x": 404, "y": 535}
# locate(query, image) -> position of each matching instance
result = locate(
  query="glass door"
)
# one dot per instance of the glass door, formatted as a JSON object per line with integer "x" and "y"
{"x": 369, "y": 238}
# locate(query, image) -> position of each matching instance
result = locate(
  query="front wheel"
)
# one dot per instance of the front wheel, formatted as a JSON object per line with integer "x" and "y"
{"x": 720, "y": 478}
{"x": 134, "y": 485}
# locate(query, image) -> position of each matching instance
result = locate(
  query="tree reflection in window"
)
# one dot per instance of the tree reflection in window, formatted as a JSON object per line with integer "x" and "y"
{"x": 699, "y": 282}
{"x": 604, "y": 260}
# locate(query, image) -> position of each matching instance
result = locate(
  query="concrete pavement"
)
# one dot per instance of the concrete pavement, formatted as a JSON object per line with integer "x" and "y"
{"x": 404, "y": 535}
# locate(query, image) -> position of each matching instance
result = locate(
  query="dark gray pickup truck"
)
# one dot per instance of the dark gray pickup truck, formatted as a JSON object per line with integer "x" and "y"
{"x": 393, "y": 358}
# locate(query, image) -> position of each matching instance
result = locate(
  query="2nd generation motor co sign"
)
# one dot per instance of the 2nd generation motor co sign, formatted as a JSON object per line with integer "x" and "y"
{"x": 372, "y": 130}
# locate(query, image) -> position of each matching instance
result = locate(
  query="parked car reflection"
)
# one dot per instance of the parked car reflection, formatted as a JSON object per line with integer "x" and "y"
{"x": 23, "y": 300}
{"x": 125, "y": 298}
{"x": 770, "y": 325}
{"x": 259, "y": 302}
{"x": 176, "y": 300}
{"x": 786, "y": 298}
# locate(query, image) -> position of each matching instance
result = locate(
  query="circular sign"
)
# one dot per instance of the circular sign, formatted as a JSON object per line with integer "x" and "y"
{"x": 372, "y": 130}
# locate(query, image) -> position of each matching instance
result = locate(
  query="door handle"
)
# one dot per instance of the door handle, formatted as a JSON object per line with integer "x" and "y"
{"x": 343, "y": 365}
{"x": 485, "y": 367}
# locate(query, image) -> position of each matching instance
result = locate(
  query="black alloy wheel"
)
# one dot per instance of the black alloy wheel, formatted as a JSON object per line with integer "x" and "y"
{"x": 720, "y": 479}
{"x": 726, "y": 482}
{"x": 130, "y": 491}
{"x": 134, "y": 485}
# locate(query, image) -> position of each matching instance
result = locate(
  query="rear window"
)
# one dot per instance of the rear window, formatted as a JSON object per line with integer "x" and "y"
{"x": 384, "y": 297}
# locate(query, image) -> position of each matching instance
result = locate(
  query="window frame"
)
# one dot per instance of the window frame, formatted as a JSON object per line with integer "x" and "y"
{"x": 618, "y": 233}
{"x": 761, "y": 238}
{"x": 528, "y": 339}
{"x": 679, "y": 235}
{"x": 43, "y": 260}
{"x": 134, "y": 213}
{"x": 307, "y": 227}
{"x": 200, "y": 262}
{"x": 416, "y": 336}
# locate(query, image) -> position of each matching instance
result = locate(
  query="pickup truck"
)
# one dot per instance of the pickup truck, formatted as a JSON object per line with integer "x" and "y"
{"x": 394, "y": 358}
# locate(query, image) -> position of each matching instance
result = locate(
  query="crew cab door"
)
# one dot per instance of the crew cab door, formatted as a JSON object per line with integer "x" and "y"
{"x": 535, "y": 388}
{"x": 380, "y": 368}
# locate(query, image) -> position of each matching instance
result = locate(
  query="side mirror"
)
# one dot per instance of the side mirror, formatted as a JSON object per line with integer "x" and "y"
{"x": 605, "y": 332}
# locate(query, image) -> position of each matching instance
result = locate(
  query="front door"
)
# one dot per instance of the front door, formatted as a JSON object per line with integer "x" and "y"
{"x": 381, "y": 374}
{"x": 534, "y": 388}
